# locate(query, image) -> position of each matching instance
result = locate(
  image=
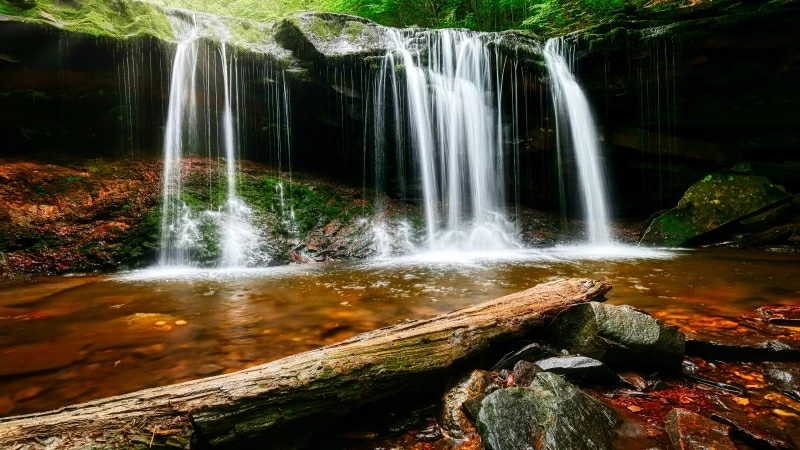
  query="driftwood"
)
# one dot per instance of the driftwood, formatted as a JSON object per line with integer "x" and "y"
{"x": 228, "y": 410}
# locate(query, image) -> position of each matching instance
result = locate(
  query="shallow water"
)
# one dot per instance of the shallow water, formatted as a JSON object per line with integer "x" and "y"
{"x": 65, "y": 340}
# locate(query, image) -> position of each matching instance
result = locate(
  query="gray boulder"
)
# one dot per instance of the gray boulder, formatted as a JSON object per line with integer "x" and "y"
{"x": 551, "y": 414}
{"x": 618, "y": 336}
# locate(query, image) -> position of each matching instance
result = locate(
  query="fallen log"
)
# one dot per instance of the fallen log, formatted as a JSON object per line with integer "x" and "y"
{"x": 227, "y": 410}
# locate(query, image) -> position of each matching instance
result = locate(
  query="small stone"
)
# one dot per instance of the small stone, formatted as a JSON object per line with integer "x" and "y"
{"x": 161, "y": 323}
{"x": 633, "y": 380}
{"x": 784, "y": 377}
{"x": 525, "y": 372}
{"x": 180, "y": 322}
{"x": 780, "y": 313}
{"x": 690, "y": 431}
{"x": 579, "y": 369}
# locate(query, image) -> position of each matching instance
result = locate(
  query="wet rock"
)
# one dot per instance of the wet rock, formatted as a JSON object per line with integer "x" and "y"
{"x": 780, "y": 313}
{"x": 785, "y": 377}
{"x": 741, "y": 340}
{"x": 690, "y": 431}
{"x": 618, "y": 336}
{"x": 329, "y": 35}
{"x": 633, "y": 380}
{"x": 525, "y": 372}
{"x": 716, "y": 200}
{"x": 771, "y": 217}
{"x": 754, "y": 430}
{"x": 579, "y": 369}
{"x": 464, "y": 397}
{"x": 551, "y": 414}
{"x": 531, "y": 352}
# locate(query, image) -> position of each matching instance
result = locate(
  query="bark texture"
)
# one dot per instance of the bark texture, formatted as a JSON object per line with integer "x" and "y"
{"x": 227, "y": 410}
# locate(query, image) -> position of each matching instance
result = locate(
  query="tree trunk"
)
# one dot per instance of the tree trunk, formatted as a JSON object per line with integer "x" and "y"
{"x": 227, "y": 410}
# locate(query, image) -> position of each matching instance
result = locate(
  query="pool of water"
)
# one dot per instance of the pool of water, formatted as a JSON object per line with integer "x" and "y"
{"x": 66, "y": 340}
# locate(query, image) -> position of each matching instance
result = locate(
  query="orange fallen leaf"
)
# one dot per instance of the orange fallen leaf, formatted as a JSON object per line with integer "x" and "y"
{"x": 741, "y": 400}
{"x": 634, "y": 408}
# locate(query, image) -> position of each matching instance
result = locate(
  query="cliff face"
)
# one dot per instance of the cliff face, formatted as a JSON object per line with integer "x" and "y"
{"x": 676, "y": 96}
{"x": 684, "y": 94}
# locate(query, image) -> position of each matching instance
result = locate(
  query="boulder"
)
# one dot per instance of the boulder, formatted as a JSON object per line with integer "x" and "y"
{"x": 618, "y": 336}
{"x": 690, "y": 431}
{"x": 579, "y": 369}
{"x": 785, "y": 377}
{"x": 717, "y": 200}
{"x": 531, "y": 352}
{"x": 472, "y": 389}
{"x": 551, "y": 414}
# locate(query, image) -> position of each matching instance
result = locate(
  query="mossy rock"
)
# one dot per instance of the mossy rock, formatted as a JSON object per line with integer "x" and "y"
{"x": 618, "y": 336}
{"x": 717, "y": 200}
{"x": 552, "y": 414}
{"x": 332, "y": 36}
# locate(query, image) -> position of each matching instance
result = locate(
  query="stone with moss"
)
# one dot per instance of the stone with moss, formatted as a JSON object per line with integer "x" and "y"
{"x": 717, "y": 200}
{"x": 551, "y": 414}
{"x": 618, "y": 336}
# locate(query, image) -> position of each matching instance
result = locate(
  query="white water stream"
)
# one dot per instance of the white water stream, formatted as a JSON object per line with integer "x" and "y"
{"x": 572, "y": 110}
{"x": 455, "y": 128}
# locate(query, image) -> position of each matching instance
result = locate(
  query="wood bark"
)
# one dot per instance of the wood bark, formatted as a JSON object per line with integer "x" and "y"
{"x": 228, "y": 410}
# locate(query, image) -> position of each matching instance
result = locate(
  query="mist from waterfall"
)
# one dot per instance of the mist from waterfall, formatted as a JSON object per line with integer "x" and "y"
{"x": 573, "y": 111}
{"x": 455, "y": 127}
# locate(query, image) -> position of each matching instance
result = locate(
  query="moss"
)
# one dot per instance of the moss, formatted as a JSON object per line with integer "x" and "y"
{"x": 353, "y": 30}
{"x": 324, "y": 29}
{"x": 120, "y": 19}
{"x": 141, "y": 244}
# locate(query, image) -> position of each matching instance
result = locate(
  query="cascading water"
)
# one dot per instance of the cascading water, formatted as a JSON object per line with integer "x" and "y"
{"x": 572, "y": 109}
{"x": 455, "y": 130}
{"x": 178, "y": 230}
{"x": 193, "y": 77}
{"x": 238, "y": 234}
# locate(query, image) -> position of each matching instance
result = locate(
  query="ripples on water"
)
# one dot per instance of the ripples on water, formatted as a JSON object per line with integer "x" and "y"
{"x": 84, "y": 337}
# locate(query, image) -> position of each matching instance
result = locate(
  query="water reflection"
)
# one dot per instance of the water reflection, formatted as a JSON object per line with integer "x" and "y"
{"x": 70, "y": 339}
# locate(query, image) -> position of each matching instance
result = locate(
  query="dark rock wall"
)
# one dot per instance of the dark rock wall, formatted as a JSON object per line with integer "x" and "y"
{"x": 678, "y": 97}
{"x": 675, "y": 97}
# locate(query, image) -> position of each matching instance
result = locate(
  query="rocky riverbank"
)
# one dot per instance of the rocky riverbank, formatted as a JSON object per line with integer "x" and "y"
{"x": 605, "y": 376}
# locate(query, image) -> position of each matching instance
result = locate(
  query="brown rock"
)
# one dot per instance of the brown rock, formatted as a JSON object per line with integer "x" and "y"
{"x": 690, "y": 431}
{"x": 452, "y": 418}
{"x": 780, "y": 313}
{"x": 525, "y": 372}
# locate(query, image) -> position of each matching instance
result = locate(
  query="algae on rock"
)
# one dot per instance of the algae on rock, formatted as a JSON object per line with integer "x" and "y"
{"x": 717, "y": 200}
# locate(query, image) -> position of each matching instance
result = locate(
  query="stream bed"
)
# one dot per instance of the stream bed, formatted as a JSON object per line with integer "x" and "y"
{"x": 70, "y": 339}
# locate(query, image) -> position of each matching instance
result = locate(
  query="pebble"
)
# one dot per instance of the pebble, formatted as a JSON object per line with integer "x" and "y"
{"x": 180, "y": 322}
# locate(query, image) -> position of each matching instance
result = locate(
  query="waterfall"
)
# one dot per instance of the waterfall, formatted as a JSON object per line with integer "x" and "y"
{"x": 572, "y": 109}
{"x": 194, "y": 92}
{"x": 178, "y": 230}
{"x": 452, "y": 105}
